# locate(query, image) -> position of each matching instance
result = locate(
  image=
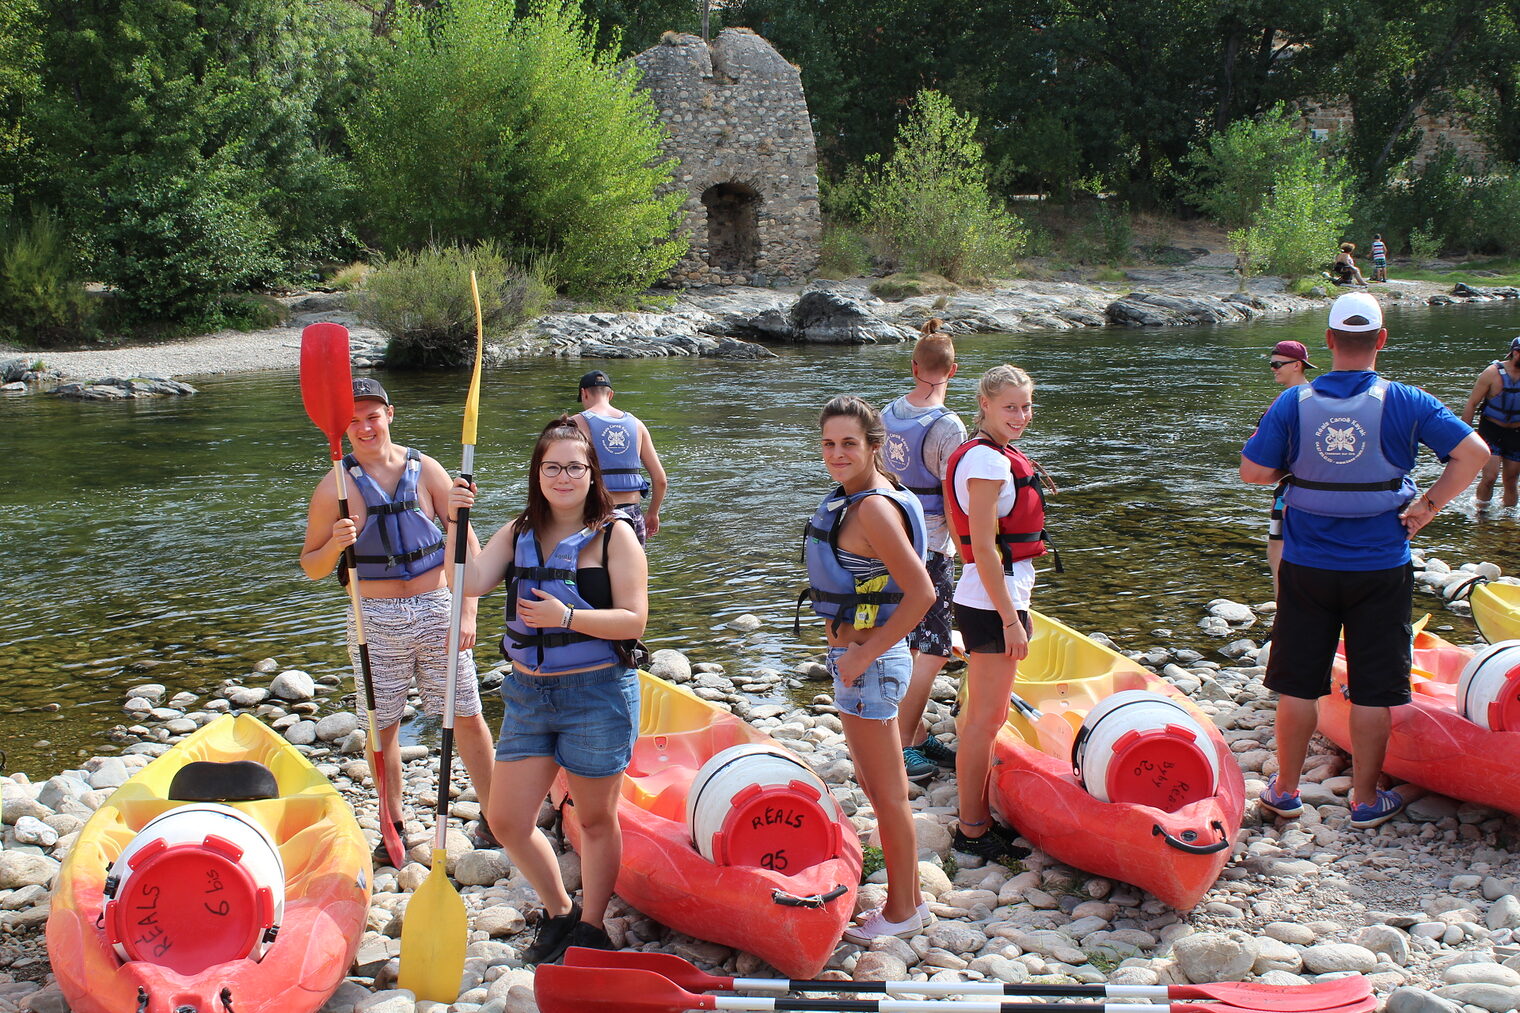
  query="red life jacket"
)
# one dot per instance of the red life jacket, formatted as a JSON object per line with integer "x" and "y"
{"x": 1021, "y": 531}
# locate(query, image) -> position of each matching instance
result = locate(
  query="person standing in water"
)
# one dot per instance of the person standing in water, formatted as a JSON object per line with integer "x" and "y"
{"x": 577, "y": 601}
{"x": 921, "y": 435}
{"x": 996, "y": 508}
{"x": 1289, "y": 361}
{"x": 864, "y": 550}
{"x": 1498, "y": 393}
{"x": 403, "y": 591}
{"x": 622, "y": 444}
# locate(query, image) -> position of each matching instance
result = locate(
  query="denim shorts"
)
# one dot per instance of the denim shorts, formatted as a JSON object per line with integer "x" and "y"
{"x": 876, "y": 696}
{"x": 587, "y": 721}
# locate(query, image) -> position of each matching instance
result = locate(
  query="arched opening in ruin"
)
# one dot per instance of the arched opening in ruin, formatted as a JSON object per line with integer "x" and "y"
{"x": 733, "y": 230}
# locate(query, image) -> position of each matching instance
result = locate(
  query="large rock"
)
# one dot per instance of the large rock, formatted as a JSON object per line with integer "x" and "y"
{"x": 22, "y": 868}
{"x": 336, "y": 726}
{"x": 1417, "y": 1000}
{"x": 481, "y": 868}
{"x": 668, "y": 664}
{"x": 293, "y": 684}
{"x": 831, "y": 318}
{"x": 1213, "y": 956}
{"x": 1328, "y": 957}
{"x": 1496, "y": 998}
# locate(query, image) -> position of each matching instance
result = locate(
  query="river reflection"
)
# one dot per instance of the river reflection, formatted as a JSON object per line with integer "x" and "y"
{"x": 157, "y": 540}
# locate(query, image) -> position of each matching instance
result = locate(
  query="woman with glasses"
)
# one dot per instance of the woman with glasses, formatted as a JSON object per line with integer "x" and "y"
{"x": 1290, "y": 362}
{"x": 577, "y": 601}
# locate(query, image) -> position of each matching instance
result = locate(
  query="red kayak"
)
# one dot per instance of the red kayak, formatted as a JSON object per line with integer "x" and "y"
{"x": 1175, "y": 853}
{"x": 1431, "y": 744}
{"x": 788, "y": 865}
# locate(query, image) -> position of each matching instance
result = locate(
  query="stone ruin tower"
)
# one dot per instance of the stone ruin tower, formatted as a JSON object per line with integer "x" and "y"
{"x": 738, "y": 124}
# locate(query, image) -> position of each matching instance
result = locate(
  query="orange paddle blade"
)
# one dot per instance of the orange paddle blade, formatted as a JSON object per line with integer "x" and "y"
{"x": 327, "y": 381}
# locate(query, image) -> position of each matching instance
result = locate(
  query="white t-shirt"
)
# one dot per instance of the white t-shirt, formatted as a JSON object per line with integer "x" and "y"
{"x": 985, "y": 462}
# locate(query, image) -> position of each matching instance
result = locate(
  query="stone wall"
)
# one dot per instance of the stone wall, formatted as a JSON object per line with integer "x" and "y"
{"x": 1335, "y": 115}
{"x": 739, "y": 127}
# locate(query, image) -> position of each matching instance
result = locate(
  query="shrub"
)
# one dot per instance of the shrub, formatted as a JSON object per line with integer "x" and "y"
{"x": 906, "y": 286}
{"x": 1234, "y": 169}
{"x": 1424, "y": 244}
{"x": 348, "y": 277}
{"x": 929, "y": 202}
{"x": 485, "y": 125}
{"x": 422, "y": 300}
{"x": 1116, "y": 232}
{"x": 250, "y": 311}
{"x": 843, "y": 253}
{"x": 1302, "y": 221}
{"x": 42, "y": 298}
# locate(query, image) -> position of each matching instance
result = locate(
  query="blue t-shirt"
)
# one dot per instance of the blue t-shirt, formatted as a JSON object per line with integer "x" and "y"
{"x": 1410, "y": 417}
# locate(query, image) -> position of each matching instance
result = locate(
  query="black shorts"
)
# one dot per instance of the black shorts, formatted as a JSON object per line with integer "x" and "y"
{"x": 932, "y": 634}
{"x": 982, "y": 629}
{"x": 1501, "y": 442}
{"x": 1372, "y": 606}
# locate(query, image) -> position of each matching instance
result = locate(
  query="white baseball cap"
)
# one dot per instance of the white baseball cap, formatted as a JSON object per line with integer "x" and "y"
{"x": 1356, "y": 311}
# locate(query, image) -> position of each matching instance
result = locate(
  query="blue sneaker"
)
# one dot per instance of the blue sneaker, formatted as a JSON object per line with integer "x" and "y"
{"x": 937, "y": 751}
{"x": 919, "y": 766}
{"x": 1387, "y": 806}
{"x": 1283, "y": 804}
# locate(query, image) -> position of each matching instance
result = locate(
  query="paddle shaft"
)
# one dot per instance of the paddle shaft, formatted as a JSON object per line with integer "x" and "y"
{"x": 377, "y": 758}
{"x": 456, "y": 615}
{"x": 931, "y": 988}
{"x": 908, "y": 1006}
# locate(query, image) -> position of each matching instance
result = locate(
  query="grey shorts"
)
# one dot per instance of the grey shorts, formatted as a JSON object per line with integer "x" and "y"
{"x": 878, "y": 692}
{"x": 408, "y": 641}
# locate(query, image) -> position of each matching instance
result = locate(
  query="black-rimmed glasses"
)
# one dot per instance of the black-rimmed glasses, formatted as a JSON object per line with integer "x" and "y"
{"x": 551, "y": 469}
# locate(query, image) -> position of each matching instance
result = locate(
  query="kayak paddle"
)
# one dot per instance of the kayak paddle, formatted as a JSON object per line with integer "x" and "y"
{"x": 563, "y": 989}
{"x": 435, "y": 932}
{"x": 1252, "y": 995}
{"x": 327, "y": 390}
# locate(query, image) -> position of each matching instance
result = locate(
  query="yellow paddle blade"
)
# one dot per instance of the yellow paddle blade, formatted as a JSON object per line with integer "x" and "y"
{"x": 472, "y": 400}
{"x": 433, "y": 937}
{"x": 1419, "y": 626}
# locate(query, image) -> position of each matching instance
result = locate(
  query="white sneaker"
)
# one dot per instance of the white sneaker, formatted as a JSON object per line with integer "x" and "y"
{"x": 876, "y": 924}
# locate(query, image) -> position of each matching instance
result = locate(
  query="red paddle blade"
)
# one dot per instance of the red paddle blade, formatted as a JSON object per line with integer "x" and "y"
{"x": 625, "y": 990}
{"x": 1364, "y": 1005}
{"x": 327, "y": 384}
{"x": 1320, "y": 995}
{"x": 667, "y": 965}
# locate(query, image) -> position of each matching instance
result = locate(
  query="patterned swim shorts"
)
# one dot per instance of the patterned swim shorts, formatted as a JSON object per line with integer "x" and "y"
{"x": 408, "y": 639}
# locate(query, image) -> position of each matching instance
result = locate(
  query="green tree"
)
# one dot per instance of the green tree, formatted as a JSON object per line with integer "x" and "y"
{"x": 1233, "y": 170}
{"x": 178, "y": 140}
{"x": 20, "y": 59}
{"x": 483, "y": 125}
{"x": 1304, "y": 218}
{"x": 929, "y": 202}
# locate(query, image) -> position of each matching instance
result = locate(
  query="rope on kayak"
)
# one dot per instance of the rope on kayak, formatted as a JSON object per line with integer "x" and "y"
{"x": 142, "y": 999}
{"x": 226, "y": 997}
{"x": 816, "y": 900}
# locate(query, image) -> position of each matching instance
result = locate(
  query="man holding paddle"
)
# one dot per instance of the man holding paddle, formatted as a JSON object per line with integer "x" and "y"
{"x": 399, "y": 548}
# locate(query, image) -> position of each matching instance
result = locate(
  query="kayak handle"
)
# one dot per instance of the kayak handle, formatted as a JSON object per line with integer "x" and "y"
{"x": 1183, "y": 843}
{"x": 142, "y": 999}
{"x": 816, "y": 900}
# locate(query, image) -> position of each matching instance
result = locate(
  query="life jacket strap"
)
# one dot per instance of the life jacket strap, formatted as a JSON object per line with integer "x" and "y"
{"x": 403, "y": 557}
{"x": 395, "y": 507}
{"x": 1391, "y": 485}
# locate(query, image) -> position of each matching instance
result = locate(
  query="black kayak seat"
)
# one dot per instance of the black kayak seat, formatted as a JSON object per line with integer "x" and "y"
{"x": 233, "y": 781}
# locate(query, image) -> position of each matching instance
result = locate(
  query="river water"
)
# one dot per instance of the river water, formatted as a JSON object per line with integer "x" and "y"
{"x": 157, "y": 540}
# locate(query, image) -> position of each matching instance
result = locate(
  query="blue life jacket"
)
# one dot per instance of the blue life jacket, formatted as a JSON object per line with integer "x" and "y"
{"x": 617, "y": 451}
{"x": 551, "y": 649}
{"x": 398, "y": 542}
{"x": 904, "y": 455}
{"x": 831, "y": 588}
{"x": 1505, "y": 407}
{"x": 1339, "y": 469}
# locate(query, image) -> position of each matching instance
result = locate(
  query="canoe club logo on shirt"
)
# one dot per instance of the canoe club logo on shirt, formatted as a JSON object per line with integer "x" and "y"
{"x": 1340, "y": 440}
{"x": 897, "y": 453}
{"x": 614, "y": 439}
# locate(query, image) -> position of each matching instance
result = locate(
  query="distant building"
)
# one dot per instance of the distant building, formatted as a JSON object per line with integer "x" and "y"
{"x": 739, "y": 126}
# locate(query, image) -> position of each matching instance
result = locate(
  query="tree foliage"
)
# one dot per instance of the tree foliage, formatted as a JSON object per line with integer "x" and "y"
{"x": 1304, "y": 218}
{"x": 1233, "y": 170}
{"x": 929, "y": 202}
{"x": 483, "y": 125}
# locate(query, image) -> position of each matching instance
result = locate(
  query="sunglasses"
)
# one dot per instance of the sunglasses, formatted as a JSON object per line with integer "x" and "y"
{"x": 1280, "y": 363}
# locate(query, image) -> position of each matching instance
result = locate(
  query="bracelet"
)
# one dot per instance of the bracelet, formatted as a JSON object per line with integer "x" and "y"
{"x": 569, "y": 616}
{"x": 1430, "y": 502}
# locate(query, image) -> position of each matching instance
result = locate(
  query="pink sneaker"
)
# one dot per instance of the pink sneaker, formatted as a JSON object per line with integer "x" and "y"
{"x": 876, "y": 924}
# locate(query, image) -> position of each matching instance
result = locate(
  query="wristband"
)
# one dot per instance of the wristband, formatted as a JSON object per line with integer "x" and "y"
{"x": 569, "y": 616}
{"x": 1430, "y": 502}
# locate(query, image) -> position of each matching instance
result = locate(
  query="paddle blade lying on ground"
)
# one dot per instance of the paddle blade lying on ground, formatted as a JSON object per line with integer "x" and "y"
{"x": 567, "y": 989}
{"x": 434, "y": 934}
{"x": 1308, "y": 998}
{"x": 327, "y": 385}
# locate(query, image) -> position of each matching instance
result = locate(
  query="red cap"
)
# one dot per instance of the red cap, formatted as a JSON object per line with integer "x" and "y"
{"x": 1293, "y": 350}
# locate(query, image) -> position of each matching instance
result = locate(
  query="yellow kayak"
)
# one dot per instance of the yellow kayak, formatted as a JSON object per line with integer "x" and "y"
{"x": 249, "y": 892}
{"x": 1496, "y": 610}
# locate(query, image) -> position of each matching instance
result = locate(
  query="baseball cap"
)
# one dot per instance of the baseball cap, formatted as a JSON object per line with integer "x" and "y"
{"x": 367, "y": 388}
{"x": 1293, "y": 350}
{"x": 1514, "y": 346}
{"x": 1356, "y": 311}
{"x": 596, "y": 378}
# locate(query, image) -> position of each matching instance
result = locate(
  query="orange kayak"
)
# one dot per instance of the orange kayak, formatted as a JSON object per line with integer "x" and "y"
{"x": 1431, "y": 744}
{"x": 792, "y": 918}
{"x": 1176, "y": 855}
{"x": 326, "y": 889}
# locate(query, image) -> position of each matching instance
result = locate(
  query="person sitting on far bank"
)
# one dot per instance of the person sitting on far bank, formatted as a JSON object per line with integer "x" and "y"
{"x": 1346, "y": 443}
{"x": 1289, "y": 361}
{"x": 1379, "y": 253}
{"x": 1498, "y": 392}
{"x": 1345, "y": 268}
{"x": 403, "y": 591}
{"x": 622, "y": 444}
{"x": 577, "y": 600}
{"x": 921, "y": 435}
